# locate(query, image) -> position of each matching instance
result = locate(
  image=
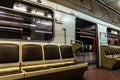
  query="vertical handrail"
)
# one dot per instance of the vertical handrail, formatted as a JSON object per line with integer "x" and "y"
{"x": 78, "y": 41}
{"x": 64, "y": 29}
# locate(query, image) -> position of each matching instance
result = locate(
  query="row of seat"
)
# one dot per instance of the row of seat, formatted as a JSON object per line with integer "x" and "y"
{"x": 110, "y": 56}
{"x": 27, "y": 60}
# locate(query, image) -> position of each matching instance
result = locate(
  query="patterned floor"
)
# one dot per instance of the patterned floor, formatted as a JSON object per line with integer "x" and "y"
{"x": 102, "y": 74}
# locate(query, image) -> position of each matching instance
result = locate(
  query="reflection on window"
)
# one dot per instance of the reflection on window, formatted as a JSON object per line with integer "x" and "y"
{"x": 20, "y": 7}
{"x": 49, "y": 15}
{"x": 31, "y": 9}
{"x": 43, "y": 28}
{"x": 10, "y": 32}
{"x": 38, "y": 12}
{"x": 114, "y": 32}
{"x": 112, "y": 37}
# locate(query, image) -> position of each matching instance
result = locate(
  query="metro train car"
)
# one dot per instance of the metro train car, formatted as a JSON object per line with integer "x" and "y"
{"x": 92, "y": 31}
{"x": 52, "y": 40}
{"x": 26, "y": 48}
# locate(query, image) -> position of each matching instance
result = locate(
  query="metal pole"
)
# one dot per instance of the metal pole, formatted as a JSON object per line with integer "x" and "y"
{"x": 64, "y": 29}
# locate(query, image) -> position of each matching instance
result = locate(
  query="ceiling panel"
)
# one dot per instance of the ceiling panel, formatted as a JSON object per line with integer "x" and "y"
{"x": 114, "y": 4}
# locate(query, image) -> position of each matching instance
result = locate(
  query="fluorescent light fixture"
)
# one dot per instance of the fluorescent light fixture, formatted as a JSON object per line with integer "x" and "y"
{"x": 20, "y": 8}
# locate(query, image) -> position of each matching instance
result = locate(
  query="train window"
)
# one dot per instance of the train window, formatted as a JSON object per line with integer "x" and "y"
{"x": 26, "y": 23}
{"x": 31, "y": 9}
{"x": 10, "y": 25}
{"x": 112, "y": 36}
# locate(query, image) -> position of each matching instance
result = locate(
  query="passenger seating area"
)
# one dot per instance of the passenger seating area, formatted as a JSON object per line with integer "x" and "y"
{"x": 110, "y": 56}
{"x": 25, "y": 60}
{"x": 9, "y": 62}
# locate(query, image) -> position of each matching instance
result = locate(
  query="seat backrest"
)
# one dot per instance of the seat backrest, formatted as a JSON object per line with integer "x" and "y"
{"x": 118, "y": 49}
{"x": 66, "y": 51}
{"x": 112, "y": 50}
{"x": 107, "y": 51}
{"x": 51, "y": 52}
{"x": 9, "y": 53}
{"x": 31, "y": 52}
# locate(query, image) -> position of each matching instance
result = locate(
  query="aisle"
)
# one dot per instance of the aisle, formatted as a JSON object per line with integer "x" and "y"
{"x": 102, "y": 74}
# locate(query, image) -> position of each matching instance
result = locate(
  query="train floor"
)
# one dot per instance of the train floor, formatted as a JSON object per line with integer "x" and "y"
{"x": 90, "y": 57}
{"x": 102, "y": 74}
{"x": 94, "y": 73}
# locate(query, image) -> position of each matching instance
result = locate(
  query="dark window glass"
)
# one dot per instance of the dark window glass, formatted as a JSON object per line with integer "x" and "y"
{"x": 10, "y": 25}
{"x": 30, "y": 23}
{"x": 112, "y": 37}
{"x": 42, "y": 30}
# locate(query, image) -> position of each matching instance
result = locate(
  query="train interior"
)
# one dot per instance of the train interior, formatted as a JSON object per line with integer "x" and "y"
{"x": 86, "y": 33}
{"x": 25, "y": 55}
{"x": 29, "y": 52}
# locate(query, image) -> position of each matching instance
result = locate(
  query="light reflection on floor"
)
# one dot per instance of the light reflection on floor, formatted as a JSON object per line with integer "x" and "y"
{"x": 90, "y": 57}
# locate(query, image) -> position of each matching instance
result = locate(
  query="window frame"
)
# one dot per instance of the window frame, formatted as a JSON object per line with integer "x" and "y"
{"x": 33, "y": 4}
{"x": 114, "y": 35}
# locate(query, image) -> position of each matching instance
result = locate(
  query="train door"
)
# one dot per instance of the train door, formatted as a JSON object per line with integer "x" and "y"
{"x": 86, "y": 33}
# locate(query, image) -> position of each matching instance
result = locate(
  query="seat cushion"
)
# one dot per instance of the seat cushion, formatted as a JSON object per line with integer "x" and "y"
{"x": 9, "y": 53}
{"x": 36, "y": 69}
{"x": 10, "y": 72}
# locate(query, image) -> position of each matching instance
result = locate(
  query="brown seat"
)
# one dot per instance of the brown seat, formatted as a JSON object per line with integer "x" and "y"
{"x": 9, "y": 53}
{"x": 110, "y": 57}
{"x": 9, "y": 62}
{"x": 112, "y": 50}
{"x": 31, "y": 52}
{"x": 51, "y": 52}
{"x": 116, "y": 51}
{"x": 66, "y": 51}
{"x": 54, "y": 64}
{"x": 107, "y": 51}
